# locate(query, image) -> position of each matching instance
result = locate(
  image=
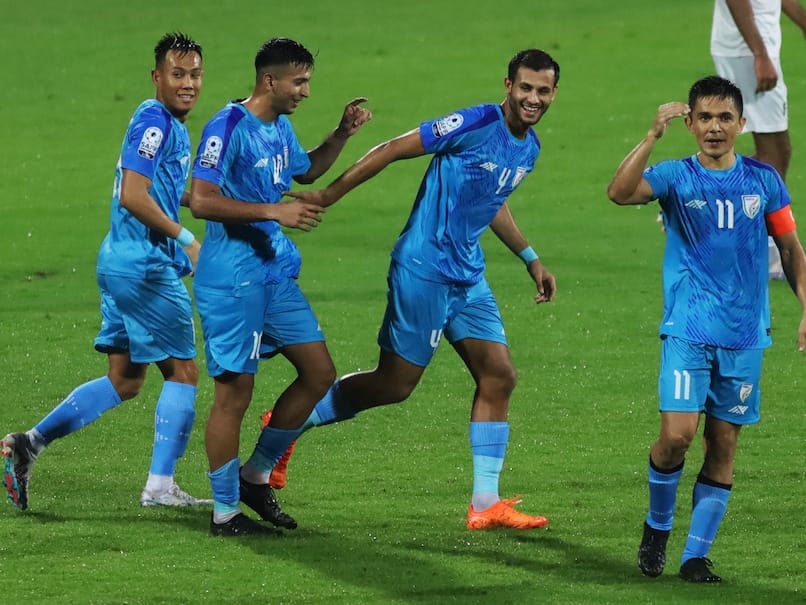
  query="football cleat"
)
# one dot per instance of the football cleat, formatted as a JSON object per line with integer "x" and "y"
{"x": 241, "y": 525}
{"x": 173, "y": 496}
{"x": 18, "y": 461}
{"x": 279, "y": 474}
{"x": 503, "y": 514}
{"x": 652, "y": 552}
{"x": 261, "y": 499}
{"x": 698, "y": 569}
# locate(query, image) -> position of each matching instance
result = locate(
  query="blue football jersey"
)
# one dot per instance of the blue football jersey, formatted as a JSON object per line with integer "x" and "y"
{"x": 251, "y": 161}
{"x": 715, "y": 282}
{"x": 477, "y": 164}
{"x": 156, "y": 146}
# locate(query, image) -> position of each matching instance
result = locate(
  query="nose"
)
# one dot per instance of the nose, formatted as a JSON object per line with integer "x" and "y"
{"x": 305, "y": 90}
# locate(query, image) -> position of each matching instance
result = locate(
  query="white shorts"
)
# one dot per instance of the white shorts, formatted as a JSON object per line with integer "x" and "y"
{"x": 765, "y": 111}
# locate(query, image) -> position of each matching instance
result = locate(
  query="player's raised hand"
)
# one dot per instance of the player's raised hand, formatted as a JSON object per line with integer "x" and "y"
{"x": 666, "y": 113}
{"x": 544, "y": 280}
{"x": 298, "y": 215}
{"x": 354, "y": 117}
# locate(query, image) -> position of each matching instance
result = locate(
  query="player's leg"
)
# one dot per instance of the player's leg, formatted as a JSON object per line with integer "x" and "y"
{"x": 476, "y": 332}
{"x": 733, "y": 401}
{"x": 83, "y": 405}
{"x": 232, "y": 327}
{"x": 683, "y": 381}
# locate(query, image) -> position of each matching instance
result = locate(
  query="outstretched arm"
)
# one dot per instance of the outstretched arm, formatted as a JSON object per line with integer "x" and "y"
{"x": 766, "y": 75}
{"x": 628, "y": 185}
{"x": 322, "y": 157}
{"x": 408, "y": 145}
{"x": 507, "y": 231}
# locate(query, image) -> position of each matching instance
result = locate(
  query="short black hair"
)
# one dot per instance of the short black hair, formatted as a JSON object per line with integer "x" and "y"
{"x": 282, "y": 51}
{"x": 714, "y": 86}
{"x": 177, "y": 41}
{"x": 535, "y": 59}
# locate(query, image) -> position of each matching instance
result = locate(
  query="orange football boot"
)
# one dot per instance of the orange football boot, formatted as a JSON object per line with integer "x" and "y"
{"x": 503, "y": 514}
{"x": 279, "y": 474}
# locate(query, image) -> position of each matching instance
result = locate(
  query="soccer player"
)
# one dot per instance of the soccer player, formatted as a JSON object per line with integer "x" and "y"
{"x": 246, "y": 289}
{"x": 746, "y": 48}
{"x": 146, "y": 314}
{"x": 719, "y": 208}
{"x": 436, "y": 280}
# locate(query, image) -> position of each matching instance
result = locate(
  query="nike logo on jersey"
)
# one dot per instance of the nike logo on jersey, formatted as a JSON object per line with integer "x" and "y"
{"x": 697, "y": 204}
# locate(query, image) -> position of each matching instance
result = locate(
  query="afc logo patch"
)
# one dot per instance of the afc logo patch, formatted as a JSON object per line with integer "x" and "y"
{"x": 751, "y": 204}
{"x": 212, "y": 152}
{"x": 447, "y": 124}
{"x": 150, "y": 143}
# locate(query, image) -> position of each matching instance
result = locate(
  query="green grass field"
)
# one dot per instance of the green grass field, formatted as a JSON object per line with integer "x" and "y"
{"x": 381, "y": 500}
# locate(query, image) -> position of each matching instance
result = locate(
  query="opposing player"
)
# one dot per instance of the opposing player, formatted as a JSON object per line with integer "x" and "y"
{"x": 436, "y": 280}
{"x": 719, "y": 208}
{"x": 146, "y": 314}
{"x": 245, "y": 286}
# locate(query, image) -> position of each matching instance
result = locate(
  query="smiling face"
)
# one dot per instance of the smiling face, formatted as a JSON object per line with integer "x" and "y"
{"x": 715, "y": 121}
{"x": 529, "y": 96}
{"x": 289, "y": 85}
{"x": 178, "y": 80}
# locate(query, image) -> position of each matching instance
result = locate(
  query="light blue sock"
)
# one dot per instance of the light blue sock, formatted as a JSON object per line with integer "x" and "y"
{"x": 662, "y": 495}
{"x": 272, "y": 444}
{"x": 710, "y": 501}
{"x": 226, "y": 488}
{"x": 84, "y": 405}
{"x": 331, "y": 408}
{"x": 173, "y": 421}
{"x": 488, "y": 443}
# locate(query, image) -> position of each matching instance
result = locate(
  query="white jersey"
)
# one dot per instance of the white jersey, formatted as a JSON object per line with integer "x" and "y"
{"x": 727, "y": 40}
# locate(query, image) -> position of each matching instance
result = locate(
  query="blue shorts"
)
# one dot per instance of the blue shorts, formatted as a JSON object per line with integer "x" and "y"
{"x": 243, "y": 325}
{"x": 723, "y": 383}
{"x": 151, "y": 319}
{"x": 419, "y": 312}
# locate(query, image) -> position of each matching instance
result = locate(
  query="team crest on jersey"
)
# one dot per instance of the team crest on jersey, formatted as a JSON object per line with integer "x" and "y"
{"x": 744, "y": 391}
{"x": 751, "y": 204}
{"x": 212, "y": 152}
{"x": 150, "y": 143}
{"x": 447, "y": 124}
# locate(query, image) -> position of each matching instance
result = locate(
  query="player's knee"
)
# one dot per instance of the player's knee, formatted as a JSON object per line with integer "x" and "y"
{"x": 499, "y": 383}
{"x": 127, "y": 388}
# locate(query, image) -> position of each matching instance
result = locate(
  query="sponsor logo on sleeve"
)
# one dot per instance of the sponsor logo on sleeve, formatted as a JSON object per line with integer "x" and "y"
{"x": 212, "y": 152}
{"x": 150, "y": 143}
{"x": 447, "y": 124}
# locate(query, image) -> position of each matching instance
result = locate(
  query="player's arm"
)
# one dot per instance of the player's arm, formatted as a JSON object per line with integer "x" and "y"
{"x": 135, "y": 198}
{"x": 505, "y": 228}
{"x": 793, "y": 261}
{"x": 405, "y": 146}
{"x": 766, "y": 75}
{"x": 322, "y": 157}
{"x": 628, "y": 185}
{"x": 208, "y": 202}
{"x": 795, "y": 11}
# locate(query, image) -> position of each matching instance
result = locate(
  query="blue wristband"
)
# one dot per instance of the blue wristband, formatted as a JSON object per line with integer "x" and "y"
{"x": 185, "y": 238}
{"x": 528, "y": 255}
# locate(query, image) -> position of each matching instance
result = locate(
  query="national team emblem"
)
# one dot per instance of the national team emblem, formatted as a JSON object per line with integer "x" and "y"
{"x": 150, "y": 143}
{"x": 744, "y": 392}
{"x": 447, "y": 124}
{"x": 520, "y": 172}
{"x": 212, "y": 152}
{"x": 751, "y": 204}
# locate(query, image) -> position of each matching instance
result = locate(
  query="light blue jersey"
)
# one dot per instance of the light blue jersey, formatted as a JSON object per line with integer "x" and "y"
{"x": 715, "y": 281}
{"x": 255, "y": 161}
{"x": 477, "y": 164}
{"x": 156, "y": 146}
